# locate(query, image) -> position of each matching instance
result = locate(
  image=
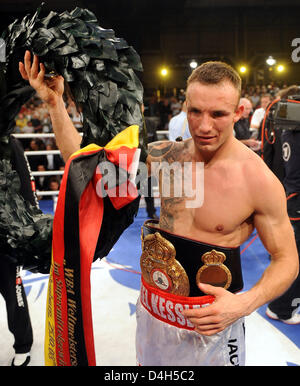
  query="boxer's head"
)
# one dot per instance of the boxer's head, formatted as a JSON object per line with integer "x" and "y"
{"x": 214, "y": 73}
{"x": 213, "y": 94}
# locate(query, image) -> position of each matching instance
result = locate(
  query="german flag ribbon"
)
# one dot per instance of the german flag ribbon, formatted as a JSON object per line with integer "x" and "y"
{"x": 86, "y": 225}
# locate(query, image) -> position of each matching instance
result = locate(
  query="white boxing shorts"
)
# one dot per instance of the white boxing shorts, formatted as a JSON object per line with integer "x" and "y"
{"x": 164, "y": 337}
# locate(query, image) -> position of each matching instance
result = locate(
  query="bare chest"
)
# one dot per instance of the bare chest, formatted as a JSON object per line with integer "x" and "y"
{"x": 215, "y": 209}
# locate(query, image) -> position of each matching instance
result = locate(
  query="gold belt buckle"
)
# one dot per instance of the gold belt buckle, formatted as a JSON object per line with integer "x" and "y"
{"x": 159, "y": 267}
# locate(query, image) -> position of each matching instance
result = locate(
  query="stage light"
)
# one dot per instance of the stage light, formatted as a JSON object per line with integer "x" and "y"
{"x": 280, "y": 68}
{"x": 270, "y": 61}
{"x": 193, "y": 64}
{"x": 164, "y": 72}
{"x": 243, "y": 69}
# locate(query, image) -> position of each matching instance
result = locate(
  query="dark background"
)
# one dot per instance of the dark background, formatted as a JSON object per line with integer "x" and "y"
{"x": 172, "y": 32}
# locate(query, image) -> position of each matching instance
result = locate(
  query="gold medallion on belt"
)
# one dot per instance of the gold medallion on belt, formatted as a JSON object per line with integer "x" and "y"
{"x": 160, "y": 268}
{"x": 214, "y": 272}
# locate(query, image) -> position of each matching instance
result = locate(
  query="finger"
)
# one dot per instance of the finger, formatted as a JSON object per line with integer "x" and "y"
{"x": 199, "y": 312}
{"x": 208, "y": 327}
{"x": 210, "y": 289}
{"x": 210, "y": 320}
{"x": 56, "y": 82}
{"x": 34, "y": 67}
{"x": 23, "y": 71}
{"x": 53, "y": 81}
{"x": 209, "y": 332}
{"x": 27, "y": 62}
{"x": 41, "y": 73}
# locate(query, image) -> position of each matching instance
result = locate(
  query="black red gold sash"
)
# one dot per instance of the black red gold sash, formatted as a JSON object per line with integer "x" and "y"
{"x": 78, "y": 239}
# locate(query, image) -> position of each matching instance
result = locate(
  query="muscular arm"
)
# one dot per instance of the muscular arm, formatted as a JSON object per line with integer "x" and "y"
{"x": 274, "y": 228}
{"x": 276, "y": 233}
{"x": 51, "y": 92}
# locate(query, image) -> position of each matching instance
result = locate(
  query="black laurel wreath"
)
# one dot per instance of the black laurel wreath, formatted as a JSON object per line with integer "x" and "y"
{"x": 99, "y": 69}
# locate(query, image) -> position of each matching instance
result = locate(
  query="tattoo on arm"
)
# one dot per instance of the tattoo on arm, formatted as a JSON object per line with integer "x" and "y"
{"x": 168, "y": 151}
{"x": 159, "y": 149}
{"x": 170, "y": 207}
{"x": 157, "y": 152}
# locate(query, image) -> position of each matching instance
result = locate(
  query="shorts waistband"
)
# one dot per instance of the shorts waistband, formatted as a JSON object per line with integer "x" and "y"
{"x": 168, "y": 307}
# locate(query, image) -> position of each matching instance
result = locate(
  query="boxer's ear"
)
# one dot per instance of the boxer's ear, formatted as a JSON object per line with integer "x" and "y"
{"x": 238, "y": 113}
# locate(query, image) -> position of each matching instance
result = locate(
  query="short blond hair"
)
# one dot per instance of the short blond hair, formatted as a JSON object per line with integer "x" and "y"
{"x": 215, "y": 72}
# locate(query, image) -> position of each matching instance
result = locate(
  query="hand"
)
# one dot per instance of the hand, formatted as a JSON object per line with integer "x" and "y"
{"x": 50, "y": 91}
{"x": 253, "y": 144}
{"x": 224, "y": 311}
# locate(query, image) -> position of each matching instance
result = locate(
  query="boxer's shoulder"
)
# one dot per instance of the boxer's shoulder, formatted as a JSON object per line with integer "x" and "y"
{"x": 260, "y": 181}
{"x": 169, "y": 151}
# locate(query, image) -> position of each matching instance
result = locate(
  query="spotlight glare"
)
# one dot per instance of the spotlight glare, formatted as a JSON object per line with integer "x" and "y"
{"x": 280, "y": 68}
{"x": 164, "y": 72}
{"x": 193, "y": 64}
{"x": 270, "y": 61}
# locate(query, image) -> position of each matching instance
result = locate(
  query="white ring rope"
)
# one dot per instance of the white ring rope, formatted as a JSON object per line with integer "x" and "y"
{"x": 41, "y": 152}
{"x": 35, "y": 135}
{"x": 49, "y": 152}
{"x": 48, "y": 173}
{"x": 47, "y": 192}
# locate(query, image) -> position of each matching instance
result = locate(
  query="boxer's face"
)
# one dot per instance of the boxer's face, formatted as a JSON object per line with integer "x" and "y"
{"x": 212, "y": 111}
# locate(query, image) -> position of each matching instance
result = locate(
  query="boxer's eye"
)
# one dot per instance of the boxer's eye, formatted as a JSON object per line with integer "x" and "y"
{"x": 219, "y": 114}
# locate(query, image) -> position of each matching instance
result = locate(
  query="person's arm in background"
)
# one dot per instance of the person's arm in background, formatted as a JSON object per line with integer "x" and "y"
{"x": 256, "y": 120}
{"x": 51, "y": 92}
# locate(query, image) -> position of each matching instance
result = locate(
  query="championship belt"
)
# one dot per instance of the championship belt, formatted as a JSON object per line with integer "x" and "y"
{"x": 177, "y": 265}
{"x": 160, "y": 268}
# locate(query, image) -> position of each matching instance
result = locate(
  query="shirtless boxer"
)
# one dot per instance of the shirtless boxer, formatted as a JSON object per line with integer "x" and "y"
{"x": 240, "y": 193}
